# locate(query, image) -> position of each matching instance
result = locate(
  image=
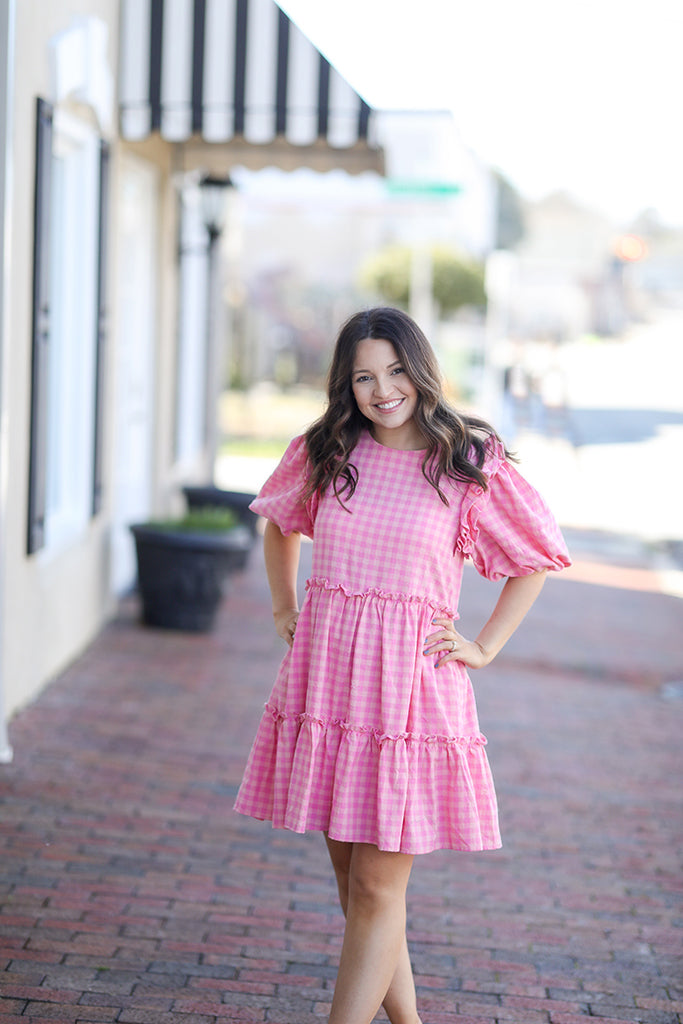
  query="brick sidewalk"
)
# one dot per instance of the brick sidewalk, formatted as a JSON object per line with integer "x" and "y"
{"x": 130, "y": 892}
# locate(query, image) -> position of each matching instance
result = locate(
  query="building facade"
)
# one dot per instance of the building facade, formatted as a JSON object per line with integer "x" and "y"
{"x": 111, "y": 115}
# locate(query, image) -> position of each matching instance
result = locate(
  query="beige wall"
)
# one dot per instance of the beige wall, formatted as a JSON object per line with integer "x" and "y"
{"x": 53, "y": 603}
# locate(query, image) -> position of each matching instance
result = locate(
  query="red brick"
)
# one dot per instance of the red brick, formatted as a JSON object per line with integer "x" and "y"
{"x": 133, "y": 1016}
{"x": 653, "y": 1003}
{"x": 276, "y": 978}
{"x": 544, "y": 1003}
{"x": 196, "y": 1006}
{"x": 432, "y": 981}
{"x": 9, "y": 1006}
{"x": 565, "y": 1017}
{"x": 61, "y": 1012}
{"x": 245, "y": 1013}
{"x": 47, "y": 995}
{"x": 459, "y": 1018}
{"x": 233, "y": 985}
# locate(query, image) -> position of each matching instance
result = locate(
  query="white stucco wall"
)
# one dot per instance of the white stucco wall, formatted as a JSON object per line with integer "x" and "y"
{"x": 52, "y": 602}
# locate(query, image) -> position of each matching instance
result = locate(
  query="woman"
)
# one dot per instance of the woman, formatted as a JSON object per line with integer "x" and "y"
{"x": 371, "y": 734}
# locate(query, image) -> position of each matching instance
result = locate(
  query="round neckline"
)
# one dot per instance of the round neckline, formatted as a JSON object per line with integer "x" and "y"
{"x": 387, "y": 448}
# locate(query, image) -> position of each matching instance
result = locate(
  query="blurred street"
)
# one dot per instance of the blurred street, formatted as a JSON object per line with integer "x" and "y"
{"x": 610, "y": 460}
{"x": 130, "y": 892}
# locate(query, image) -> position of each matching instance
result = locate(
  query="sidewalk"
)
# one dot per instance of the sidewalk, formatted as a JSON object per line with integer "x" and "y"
{"x": 130, "y": 892}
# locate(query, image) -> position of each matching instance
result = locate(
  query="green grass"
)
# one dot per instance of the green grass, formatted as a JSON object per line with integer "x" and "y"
{"x": 255, "y": 447}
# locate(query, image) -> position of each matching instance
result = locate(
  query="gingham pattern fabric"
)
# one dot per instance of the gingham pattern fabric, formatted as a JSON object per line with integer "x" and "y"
{"x": 362, "y": 737}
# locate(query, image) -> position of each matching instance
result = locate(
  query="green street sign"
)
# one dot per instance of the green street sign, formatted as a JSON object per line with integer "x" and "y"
{"x": 410, "y": 187}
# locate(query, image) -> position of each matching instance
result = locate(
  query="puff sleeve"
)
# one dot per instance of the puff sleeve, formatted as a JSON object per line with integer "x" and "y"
{"x": 280, "y": 498}
{"x": 507, "y": 529}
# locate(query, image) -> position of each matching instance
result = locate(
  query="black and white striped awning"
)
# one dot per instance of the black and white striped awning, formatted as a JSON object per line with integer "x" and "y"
{"x": 214, "y": 71}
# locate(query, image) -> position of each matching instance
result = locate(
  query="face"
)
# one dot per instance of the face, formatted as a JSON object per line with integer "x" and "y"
{"x": 385, "y": 394}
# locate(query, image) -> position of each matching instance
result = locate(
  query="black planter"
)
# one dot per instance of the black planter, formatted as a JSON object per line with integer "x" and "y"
{"x": 182, "y": 577}
{"x": 216, "y": 497}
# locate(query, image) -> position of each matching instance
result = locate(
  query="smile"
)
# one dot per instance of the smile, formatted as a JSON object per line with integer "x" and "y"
{"x": 388, "y": 406}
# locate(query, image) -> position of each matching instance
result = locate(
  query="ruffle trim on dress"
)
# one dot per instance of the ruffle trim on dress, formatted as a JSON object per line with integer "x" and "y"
{"x": 381, "y": 738}
{"x": 322, "y": 583}
{"x": 305, "y": 774}
{"x": 476, "y": 499}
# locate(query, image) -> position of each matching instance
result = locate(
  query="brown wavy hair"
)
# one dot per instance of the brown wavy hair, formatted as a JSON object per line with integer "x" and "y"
{"x": 456, "y": 443}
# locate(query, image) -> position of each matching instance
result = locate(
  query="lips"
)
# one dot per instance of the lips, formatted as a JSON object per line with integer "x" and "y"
{"x": 389, "y": 406}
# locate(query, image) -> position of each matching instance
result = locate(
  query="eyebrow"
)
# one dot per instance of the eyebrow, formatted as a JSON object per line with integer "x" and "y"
{"x": 396, "y": 362}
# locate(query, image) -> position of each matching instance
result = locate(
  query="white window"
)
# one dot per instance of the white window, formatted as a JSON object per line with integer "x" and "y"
{"x": 74, "y": 225}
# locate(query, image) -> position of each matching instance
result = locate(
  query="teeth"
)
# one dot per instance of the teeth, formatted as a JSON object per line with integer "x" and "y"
{"x": 389, "y": 405}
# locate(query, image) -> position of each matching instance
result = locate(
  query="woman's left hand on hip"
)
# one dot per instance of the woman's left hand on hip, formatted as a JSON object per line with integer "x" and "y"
{"x": 446, "y": 644}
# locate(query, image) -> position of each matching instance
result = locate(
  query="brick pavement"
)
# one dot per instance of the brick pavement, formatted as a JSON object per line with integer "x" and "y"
{"x": 130, "y": 892}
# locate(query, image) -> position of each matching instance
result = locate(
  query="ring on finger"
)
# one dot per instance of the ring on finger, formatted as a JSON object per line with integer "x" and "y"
{"x": 453, "y": 645}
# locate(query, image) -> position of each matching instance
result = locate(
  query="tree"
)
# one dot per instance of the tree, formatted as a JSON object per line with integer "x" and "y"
{"x": 456, "y": 280}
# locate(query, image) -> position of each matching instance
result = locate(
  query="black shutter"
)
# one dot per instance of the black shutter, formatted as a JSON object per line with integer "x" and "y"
{"x": 101, "y": 326}
{"x": 41, "y": 329}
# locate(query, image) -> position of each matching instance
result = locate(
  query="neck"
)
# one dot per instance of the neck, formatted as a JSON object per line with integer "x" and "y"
{"x": 406, "y": 439}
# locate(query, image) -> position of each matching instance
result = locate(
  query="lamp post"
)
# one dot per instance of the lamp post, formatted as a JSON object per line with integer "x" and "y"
{"x": 213, "y": 191}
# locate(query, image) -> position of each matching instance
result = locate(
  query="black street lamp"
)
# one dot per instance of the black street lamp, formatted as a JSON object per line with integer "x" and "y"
{"x": 213, "y": 191}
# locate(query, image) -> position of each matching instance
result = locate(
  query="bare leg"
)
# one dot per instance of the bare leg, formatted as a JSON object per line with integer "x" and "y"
{"x": 399, "y": 999}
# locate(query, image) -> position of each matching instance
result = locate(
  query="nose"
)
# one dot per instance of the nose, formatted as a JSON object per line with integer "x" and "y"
{"x": 383, "y": 387}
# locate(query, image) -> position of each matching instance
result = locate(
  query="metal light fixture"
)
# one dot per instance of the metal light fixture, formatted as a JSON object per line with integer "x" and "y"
{"x": 212, "y": 190}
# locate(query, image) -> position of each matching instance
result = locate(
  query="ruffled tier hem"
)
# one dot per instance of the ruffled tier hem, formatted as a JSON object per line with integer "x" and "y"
{"x": 404, "y": 792}
{"x": 322, "y": 583}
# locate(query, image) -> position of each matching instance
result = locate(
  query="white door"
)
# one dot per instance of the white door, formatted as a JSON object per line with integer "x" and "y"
{"x": 134, "y": 360}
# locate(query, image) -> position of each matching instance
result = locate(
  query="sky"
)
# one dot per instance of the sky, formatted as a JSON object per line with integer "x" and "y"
{"x": 584, "y": 97}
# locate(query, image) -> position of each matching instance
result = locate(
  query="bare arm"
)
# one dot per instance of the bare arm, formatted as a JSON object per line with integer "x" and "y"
{"x": 282, "y": 563}
{"x": 516, "y": 598}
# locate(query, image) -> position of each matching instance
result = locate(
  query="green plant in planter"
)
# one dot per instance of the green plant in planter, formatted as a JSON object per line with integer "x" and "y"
{"x": 209, "y": 519}
{"x": 217, "y": 497}
{"x": 184, "y": 564}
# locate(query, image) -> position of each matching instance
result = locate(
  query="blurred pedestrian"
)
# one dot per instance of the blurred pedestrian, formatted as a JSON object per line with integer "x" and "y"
{"x": 515, "y": 398}
{"x": 371, "y": 734}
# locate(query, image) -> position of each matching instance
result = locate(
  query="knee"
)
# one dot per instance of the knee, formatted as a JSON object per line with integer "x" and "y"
{"x": 371, "y": 888}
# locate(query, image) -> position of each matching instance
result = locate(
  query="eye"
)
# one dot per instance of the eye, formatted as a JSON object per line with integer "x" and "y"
{"x": 362, "y": 378}
{"x": 398, "y": 369}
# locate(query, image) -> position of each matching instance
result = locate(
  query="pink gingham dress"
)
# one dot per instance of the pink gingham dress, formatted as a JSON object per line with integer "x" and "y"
{"x": 362, "y": 737}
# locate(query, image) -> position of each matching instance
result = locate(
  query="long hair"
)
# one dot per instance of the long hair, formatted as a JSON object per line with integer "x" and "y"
{"x": 456, "y": 444}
